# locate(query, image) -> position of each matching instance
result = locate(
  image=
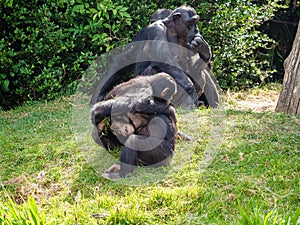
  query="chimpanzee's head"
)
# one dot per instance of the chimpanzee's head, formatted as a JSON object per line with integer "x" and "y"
{"x": 184, "y": 23}
{"x": 163, "y": 86}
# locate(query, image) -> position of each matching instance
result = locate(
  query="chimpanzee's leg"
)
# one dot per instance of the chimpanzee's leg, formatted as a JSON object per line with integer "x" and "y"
{"x": 202, "y": 101}
{"x": 211, "y": 92}
{"x": 159, "y": 156}
{"x": 155, "y": 143}
{"x": 152, "y": 146}
{"x": 128, "y": 161}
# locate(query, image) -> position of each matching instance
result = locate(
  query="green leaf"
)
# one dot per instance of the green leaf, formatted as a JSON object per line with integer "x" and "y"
{"x": 106, "y": 25}
{"x": 78, "y": 8}
{"x": 5, "y": 85}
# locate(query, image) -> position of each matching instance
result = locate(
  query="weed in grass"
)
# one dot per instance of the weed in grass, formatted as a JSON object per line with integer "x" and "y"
{"x": 27, "y": 214}
{"x": 258, "y": 216}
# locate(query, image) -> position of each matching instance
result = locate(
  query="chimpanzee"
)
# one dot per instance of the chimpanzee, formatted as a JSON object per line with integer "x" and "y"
{"x": 142, "y": 122}
{"x": 167, "y": 45}
{"x": 209, "y": 87}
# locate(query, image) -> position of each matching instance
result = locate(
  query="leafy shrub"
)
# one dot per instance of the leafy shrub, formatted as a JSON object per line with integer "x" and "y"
{"x": 241, "y": 53}
{"x": 46, "y": 45}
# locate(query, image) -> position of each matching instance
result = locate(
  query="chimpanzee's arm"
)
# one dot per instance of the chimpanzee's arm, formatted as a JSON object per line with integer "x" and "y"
{"x": 200, "y": 73}
{"x": 185, "y": 89}
{"x": 153, "y": 106}
{"x": 101, "y": 110}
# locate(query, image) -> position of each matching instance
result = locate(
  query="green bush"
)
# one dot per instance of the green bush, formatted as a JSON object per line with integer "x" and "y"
{"x": 46, "y": 45}
{"x": 242, "y": 54}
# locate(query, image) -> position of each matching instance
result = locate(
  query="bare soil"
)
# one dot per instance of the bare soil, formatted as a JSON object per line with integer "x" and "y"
{"x": 256, "y": 100}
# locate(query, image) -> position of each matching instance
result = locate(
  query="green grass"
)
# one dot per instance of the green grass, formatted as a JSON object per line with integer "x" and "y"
{"x": 252, "y": 177}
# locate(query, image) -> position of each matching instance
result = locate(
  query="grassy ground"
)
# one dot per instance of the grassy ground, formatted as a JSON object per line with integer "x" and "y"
{"x": 243, "y": 167}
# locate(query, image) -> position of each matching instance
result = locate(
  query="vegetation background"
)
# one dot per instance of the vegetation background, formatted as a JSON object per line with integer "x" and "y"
{"x": 46, "y": 45}
{"x": 44, "y": 176}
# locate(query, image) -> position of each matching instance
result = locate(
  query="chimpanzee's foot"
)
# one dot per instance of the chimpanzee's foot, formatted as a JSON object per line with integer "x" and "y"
{"x": 113, "y": 168}
{"x": 111, "y": 175}
{"x": 182, "y": 136}
{"x": 112, "y": 172}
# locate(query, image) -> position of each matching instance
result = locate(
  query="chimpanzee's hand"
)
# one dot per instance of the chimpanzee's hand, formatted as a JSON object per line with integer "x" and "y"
{"x": 97, "y": 117}
{"x": 112, "y": 172}
{"x": 201, "y": 47}
{"x": 111, "y": 176}
{"x": 101, "y": 110}
{"x": 197, "y": 42}
{"x": 142, "y": 106}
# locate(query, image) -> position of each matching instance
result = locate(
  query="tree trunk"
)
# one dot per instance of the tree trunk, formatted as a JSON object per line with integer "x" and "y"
{"x": 289, "y": 98}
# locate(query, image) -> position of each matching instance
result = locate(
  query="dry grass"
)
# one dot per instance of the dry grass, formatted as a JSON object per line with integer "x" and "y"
{"x": 256, "y": 100}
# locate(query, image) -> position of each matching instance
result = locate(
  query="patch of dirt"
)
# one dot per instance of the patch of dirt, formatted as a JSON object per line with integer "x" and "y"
{"x": 256, "y": 100}
{"x": 23, "y": 188}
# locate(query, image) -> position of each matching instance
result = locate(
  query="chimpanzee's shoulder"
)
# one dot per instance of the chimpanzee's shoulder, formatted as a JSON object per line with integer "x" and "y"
{"x": 157, "y": 25}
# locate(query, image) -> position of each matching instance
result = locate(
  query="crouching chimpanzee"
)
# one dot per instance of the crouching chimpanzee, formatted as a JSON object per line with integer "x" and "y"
{"x": 167, "y": 45}
{"x": 137, "y": 116}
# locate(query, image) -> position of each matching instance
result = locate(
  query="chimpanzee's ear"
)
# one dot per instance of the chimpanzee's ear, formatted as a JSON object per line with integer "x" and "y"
{"x": 164, "y": 93}
{"x": 172, "y": 18}
{"x": 176, "y": 16}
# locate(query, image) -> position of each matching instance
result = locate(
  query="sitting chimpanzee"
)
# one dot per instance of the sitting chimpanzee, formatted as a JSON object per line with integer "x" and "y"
{"x": 141, "y": 121}
{"x": 172, "y": 45}
{"x": 200, "y": 45}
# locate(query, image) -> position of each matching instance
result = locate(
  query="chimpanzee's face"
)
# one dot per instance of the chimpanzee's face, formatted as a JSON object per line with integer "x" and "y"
{"x": 186, "y": 25}
{"x": 191, "y": 24}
